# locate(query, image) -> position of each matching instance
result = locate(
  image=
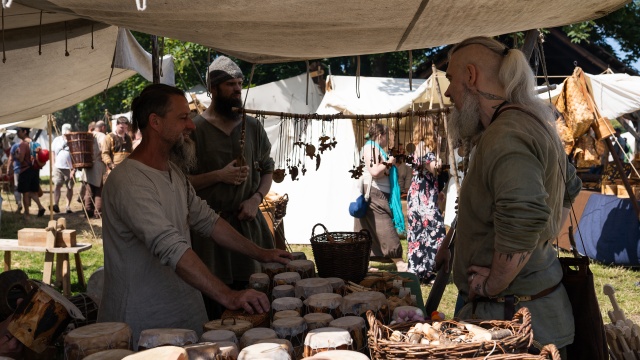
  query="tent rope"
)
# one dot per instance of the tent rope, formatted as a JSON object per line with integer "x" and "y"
{"x": 113, "y": 62}
{"x": 91, "y": 36}
{"x": 40, "y": 35}
{"x": 306, "y": 98}
{"x": 4, "y": 55}
{"x": 66, "y": 40}
{"x": 358, "y": 77}
{"x": 410, "y": 70}
{"x": 141, "y": 5}
{"x": 202, "y": 82}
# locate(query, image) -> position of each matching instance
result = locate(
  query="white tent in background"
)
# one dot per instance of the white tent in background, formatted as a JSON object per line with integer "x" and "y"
{"x": 614, "y": 94}
{"x": 324, "y": 196}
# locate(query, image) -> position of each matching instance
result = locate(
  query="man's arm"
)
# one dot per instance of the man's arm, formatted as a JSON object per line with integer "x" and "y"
{"x": 249, "y": 208}
{"x": 226, "y": 236}
{"x": 195, "y": 273}
{"x": 230, "y": 174}
{"x": 489, "y": 282}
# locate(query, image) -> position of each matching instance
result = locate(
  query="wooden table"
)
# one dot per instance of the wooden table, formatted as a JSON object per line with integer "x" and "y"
{"x": 63, "y": 268}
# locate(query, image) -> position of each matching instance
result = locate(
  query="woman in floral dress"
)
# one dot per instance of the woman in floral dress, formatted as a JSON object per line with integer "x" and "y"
{"x": 426, "y": 223}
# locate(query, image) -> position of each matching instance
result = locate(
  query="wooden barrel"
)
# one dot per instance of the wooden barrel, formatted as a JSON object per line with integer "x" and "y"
{"x": 81, "y": 149}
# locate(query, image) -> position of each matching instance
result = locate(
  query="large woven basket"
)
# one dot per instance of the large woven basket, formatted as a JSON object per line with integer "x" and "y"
{"x": 383, "y": 348}
{"x": 343, "y": 255}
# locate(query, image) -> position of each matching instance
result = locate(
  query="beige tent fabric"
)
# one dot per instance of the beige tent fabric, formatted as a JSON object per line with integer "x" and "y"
{"x": 33, "y": 85}
{"x": 130, "y": 55}
{"x": 287, "y": 30}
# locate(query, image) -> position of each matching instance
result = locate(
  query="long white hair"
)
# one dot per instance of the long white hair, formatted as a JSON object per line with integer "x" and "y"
{"x": 515, "y": 76}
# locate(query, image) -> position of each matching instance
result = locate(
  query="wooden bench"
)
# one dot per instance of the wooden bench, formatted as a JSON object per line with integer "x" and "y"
{"x": 63, "y": 268}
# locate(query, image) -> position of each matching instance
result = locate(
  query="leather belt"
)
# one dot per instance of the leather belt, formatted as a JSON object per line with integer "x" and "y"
{"x": 510, "y": 301}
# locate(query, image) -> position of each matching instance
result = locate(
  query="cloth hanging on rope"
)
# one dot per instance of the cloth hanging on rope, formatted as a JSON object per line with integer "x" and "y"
{"x": 395, "y": 202}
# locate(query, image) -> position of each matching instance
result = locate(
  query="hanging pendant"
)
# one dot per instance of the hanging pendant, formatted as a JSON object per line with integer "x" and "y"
{"x": 278, "y": 175}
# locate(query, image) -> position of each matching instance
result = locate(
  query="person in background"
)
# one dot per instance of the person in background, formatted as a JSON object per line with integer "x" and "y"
{"x": 14, "y": 169}
{"x": 93, "y": 177}
{"x": 426, "y": 224}
{"x": 29, "y": 178}
{"x": 63, "y": 171}
{"x": 404, "y": 174}
{"x": 515, "y": 195}
{"x": 117, "y": 145}
{"x": 384, "y": 218}
{"x": 232, "y": 190}
{"x": 152, "y": 277}
{"x": 621, "y": 146}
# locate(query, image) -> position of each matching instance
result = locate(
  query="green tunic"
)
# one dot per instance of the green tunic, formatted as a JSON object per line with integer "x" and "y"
{"x": 511, "y": 201}
{"x": 215, "y": 150}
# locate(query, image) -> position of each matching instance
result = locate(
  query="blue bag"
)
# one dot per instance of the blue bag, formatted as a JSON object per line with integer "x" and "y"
{"x": 358, "y": 208}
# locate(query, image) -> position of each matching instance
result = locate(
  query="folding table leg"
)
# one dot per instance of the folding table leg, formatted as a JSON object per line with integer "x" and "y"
{"x": 48, "y": 268}
{"x": 59, "y": 261}
{"x": 7, "y": 260}
{"x": 81, "y": 281}
{"x": 66, "y": 276}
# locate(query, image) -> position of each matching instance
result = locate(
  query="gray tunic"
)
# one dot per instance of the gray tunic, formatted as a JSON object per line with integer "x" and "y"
{"x": 147, "y": 214}
{"x": 511, "y": 201}
{"x": 215, "y": 150}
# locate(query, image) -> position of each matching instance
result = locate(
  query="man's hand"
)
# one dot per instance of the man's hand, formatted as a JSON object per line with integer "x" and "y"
{"x": 275, "y": 255}
{"x": 252, "y": 301}
{"x": 9, "y": 345}
{"x": 443, "y": 258}
{"x": 477, "y": 276}
{"x": 234, "y": 175}
{"x": 249, "y": 208}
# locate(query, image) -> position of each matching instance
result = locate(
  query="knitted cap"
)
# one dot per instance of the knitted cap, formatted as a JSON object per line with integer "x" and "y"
{"x": 66, "y": 128}
{"x": 221, "y": 70}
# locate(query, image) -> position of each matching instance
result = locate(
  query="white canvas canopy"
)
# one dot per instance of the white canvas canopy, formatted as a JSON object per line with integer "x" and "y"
{"x": 324, "y": 196}
{"x": 287, "y": 30}
{"x": 614, "y": 94}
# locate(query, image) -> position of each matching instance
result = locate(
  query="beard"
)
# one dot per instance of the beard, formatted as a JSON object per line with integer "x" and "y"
{"x": 183, "y": 154}
{"x": 465, "y": 125}
{"x": 224, "y": 106}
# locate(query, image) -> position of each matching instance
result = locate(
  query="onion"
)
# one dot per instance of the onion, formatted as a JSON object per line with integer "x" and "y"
{"x": 402, "y": 314}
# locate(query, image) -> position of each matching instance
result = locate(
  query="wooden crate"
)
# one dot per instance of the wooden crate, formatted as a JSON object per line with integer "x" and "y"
{"x": 622, "y": 192}
{"x": 609, "y": 189}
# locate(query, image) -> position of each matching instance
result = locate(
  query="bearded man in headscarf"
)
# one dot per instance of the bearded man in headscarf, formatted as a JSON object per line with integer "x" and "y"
{"x": 514, "y": 197}
{"x": 232, "y": 179}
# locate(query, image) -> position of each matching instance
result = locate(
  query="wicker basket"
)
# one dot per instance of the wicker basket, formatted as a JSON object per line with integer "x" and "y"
{"x": 548, "y": 352}
{"x": 383, "y": 348}
{"x": 343, "y": 255}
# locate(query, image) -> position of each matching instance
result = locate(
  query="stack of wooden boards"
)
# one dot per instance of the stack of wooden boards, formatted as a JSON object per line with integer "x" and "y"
{"x": 623, "y": 335}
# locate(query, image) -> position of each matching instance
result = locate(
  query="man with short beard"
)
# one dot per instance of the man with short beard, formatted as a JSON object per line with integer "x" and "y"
{"x": 231, "y": 189}
{"x": 514, "y": 197}
{"x": 152, "y": 277}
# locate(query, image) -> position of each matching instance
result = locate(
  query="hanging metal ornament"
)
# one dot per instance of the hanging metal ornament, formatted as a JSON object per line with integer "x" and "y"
{"x": 293, "y": 171}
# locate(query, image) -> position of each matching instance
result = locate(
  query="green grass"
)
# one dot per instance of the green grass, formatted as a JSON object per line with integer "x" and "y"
{"x": 624, "y": 280}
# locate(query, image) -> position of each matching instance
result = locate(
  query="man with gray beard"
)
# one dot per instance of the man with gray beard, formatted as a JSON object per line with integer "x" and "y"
{"x": 514, "y": 197}
{"x": 152, "y": 277}
{"x": 233, "y": 180}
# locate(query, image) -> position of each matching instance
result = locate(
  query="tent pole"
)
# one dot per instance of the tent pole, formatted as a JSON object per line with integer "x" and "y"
{"x": 154, "y": 59}
{"x": 530, "y": 39}
{"x": 452, "y": 156}
{"x": 344, "y": 116}
{"x": 50, "y": 129}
